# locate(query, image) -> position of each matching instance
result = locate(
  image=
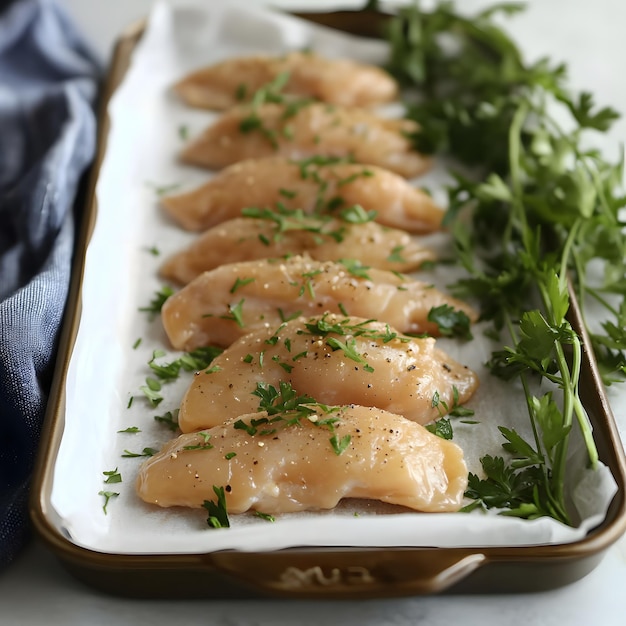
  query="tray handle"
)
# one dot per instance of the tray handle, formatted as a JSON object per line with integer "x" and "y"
{"x": 347, "y": 574}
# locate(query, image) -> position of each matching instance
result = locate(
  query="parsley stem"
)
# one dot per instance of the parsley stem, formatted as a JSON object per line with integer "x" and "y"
{"x": 567, "y": 252}
{"x": 515, "y": 150}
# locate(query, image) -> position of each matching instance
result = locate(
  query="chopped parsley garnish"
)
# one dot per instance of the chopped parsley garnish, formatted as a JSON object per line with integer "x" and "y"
{"x": 356, "y": 268}
{"x": 271, "y": 93}
{"x": 286, "y": 220}
{"x": 308, "y": 166}
{"x": 287, "y": 318}
{"x": 107, "y": 496}
{"x": 250, "y": 428}
{"x": 285, "y": 408}
{"x": 236, "y": 313}
{"x": 151, "y": 390}
{"x": 218, "y": 514}
{"x": 157, "y": 302}
{"x": 241, "y": 282}
{"x": 347, "y": 347}
{"x": 162, "y": 190}
{"x": 130, "y": 430}
{"x": 307, "y": 285}
{"x": 356, "y": 214}
{"x": 169, "y": 419}
{"x": 342, "y": 327}
{"x": 450, "y": 322}
{"x": 442, "y": 428}
{"x": 396, "y": 255}
{"x": 283, "y": 400}
{"x": 339, "y": 445}
{"x": 167, "y": 371}
{"x": 205, "y": 445}
{"x": 113, "y": 476}
{"x": 456, "y": 410}
{"x": 193, "y": 361}
{"x": 266, "y": 516}
{"x": 350, "y": 179}
{"x": 241, "y": 92}
{"x": 145, "y": 452}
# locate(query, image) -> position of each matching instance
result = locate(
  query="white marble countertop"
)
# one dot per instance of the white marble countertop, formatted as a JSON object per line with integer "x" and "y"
{"x": 37, "y": 590}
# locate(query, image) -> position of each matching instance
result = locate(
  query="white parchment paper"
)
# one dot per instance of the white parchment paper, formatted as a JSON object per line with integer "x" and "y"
{"x": 108, "y": 368}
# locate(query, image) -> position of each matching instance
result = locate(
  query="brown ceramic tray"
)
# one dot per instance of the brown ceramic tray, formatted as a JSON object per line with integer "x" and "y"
{"x": 314, "y": 572}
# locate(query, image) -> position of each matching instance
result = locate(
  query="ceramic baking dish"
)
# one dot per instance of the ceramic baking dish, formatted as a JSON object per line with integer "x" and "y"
{"x": 311, "y": 571}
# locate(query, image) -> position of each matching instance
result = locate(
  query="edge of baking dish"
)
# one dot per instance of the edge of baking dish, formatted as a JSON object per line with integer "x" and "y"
{"x": 305, "y": 572}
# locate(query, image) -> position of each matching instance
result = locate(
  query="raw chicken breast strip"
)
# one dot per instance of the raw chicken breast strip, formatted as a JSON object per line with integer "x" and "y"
{"x": 310, "y": 186}
{"x": 337, "y": 81}
{"x": 334, "y": 359}
{"x": 305, "y": 131}
{"x": 221, "y": 306}
{"x": 296, "y": 467}
{"x": 247, "y": 239}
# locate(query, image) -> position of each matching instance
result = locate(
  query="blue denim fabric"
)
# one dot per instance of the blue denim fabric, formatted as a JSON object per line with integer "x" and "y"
{"x": 48, "y": 86}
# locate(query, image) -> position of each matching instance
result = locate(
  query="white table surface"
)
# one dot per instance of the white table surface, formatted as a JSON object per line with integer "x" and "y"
{"x": 37, "y": 590}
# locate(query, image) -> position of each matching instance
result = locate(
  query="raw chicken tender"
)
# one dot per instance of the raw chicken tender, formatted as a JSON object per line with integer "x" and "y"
{"x": 296, "y": 467}
{"x": 263, "y": 293}
{"x": 334, "y": 359}
{"x": 305, "y": 131}
{"x": 322, "y": 187}
{"x": 247, "y": 239}
{"x": 338, "y": 81}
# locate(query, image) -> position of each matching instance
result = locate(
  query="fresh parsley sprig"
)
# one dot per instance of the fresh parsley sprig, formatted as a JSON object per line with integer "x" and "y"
{"x": 543, "y": 207}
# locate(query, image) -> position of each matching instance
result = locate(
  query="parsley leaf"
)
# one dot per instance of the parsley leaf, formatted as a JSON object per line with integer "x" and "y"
{"x": 451, "y": 322}
{"x": 107, "y": 495}
{"x": 218, "y": 514}
{"x": 113, "y": 476}
{"x": 156, "y": 304}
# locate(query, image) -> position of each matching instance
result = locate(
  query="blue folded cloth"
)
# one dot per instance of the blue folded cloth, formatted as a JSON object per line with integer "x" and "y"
{"x": 48, "y": 87}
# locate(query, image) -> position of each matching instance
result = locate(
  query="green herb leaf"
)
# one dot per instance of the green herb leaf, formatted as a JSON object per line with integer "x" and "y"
{"x": 144, "y": 452}
{"x": 131, "y": 430}
{"x": 169, "y": 419}
{"x": 241, "y": 282}
{"x": 451, "y": 323}
{"x": 266, "y": 516}
{"x": 218, "y": 514}
{"x": 541, "y": 208}
{"x": 156, "y": 304}
{"x": 236, "y": 313}
{"x": 113, "y": 476}
{"x": 442, "y": 428}
{"x": 339, "y": 445}
{"x": 107, "y": 495}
